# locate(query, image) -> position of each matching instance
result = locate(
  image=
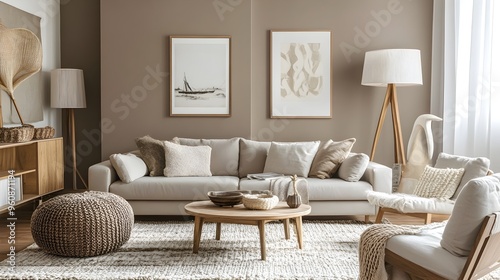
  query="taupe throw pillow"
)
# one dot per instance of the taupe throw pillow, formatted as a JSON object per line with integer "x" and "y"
{"x": 153, "y": 154}
{"x": 291, "y": 158}
{"x": 329, "y": 157}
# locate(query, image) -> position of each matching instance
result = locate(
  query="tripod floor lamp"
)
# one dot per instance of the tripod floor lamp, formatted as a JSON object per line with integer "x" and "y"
{"x": 68, "y": 91}
{"x": 391, "y": 68}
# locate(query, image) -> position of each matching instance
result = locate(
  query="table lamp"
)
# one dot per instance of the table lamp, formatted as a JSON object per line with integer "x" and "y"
{"x": 391, "y": 67}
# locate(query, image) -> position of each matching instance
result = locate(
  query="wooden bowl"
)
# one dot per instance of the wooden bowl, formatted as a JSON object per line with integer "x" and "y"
{"x": 225, "y": 198}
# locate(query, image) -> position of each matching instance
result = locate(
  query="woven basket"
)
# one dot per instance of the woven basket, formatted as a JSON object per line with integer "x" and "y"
{"x": 260, "y": 201}
{"x": 17, "y": 134}
{"x": 82, "y": 224}
{"x": 44, "y": 132}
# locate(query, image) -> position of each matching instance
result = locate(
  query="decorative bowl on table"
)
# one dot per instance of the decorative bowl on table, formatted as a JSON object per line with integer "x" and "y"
{"x": 225, "y": 198}
{"x": 260, "y": 201}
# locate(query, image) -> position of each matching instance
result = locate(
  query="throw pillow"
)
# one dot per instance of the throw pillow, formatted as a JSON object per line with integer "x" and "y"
{"x": 438, "y": 182}
{"x": 329, "y": 156}
{"x": 153, "y": 154}
{"x": 253, "y": 156}
{"x": 129, "y": 167}
{"x": 474, "y": 167}
{"x": 186, "y": 161}
{"x": 225, "y": 153}
{"x": 291, "y": 158}
{"x": 479, "y": 198}
{"x": 353, "y": 167}
{"x": 225, "y": 156}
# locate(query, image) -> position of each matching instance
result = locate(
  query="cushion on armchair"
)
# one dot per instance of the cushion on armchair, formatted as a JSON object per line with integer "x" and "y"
{"x": 473, "y": 167}
{"x": 479, "y": 198}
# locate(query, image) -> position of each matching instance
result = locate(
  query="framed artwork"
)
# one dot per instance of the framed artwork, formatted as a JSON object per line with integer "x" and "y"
{"x": 200, "y": 76}
{"x": 301, "y": 71}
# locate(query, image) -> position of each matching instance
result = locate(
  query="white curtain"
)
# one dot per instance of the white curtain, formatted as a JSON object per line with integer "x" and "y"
{"x": 466, "y": 77}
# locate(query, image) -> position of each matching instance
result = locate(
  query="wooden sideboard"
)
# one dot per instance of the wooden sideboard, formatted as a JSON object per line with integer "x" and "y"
{"x": 38, "y": 165}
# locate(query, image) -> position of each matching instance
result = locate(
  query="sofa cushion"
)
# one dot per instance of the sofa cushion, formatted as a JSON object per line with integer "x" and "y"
{"x": 353, "y": 167}
{"x": 173, "y": 188}
{"x": 225, "y": 154}
{"x": 253, "y": 155}
{"x": 473, "y": 167}
{"x": 291, "y": 158}
{"x": 153, "y": 154}
{"x": 479, "y": 198}
{"x": 129, "y": 167}
{"x": 329, "y": 157}
{"x": 183, "y": 161}
{"x": 424, "y": 249}
{"x": 438, "y": 182}
{"x": 334, "y": 189}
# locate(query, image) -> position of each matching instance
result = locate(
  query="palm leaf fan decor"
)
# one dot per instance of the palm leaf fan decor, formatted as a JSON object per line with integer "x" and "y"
{"x": 20, "y": 58}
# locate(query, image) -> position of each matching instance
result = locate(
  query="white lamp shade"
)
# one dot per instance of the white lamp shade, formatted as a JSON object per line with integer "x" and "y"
{"x": 401, "y": 67}
{"x": 67, "y": 89}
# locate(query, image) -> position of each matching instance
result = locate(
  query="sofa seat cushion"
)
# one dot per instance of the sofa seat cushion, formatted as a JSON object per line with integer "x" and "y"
{"x": 407, "y": 203}
{"x": 337, "y": 189}
{"x": 320, "y": 189}
{"x": 173, "y": 188}
{"x": 425, "y": 250}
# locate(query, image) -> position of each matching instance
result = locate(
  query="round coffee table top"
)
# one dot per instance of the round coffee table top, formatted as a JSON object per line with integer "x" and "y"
{"x": 207, "y": 209}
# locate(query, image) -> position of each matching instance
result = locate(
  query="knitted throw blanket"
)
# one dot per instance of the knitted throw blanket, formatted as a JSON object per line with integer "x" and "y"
{"x": 282, "y": 187}
{"x": 372, "y": 249}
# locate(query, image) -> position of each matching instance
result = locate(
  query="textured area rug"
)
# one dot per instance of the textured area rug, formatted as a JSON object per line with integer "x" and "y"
{"x": 163, "y": 250}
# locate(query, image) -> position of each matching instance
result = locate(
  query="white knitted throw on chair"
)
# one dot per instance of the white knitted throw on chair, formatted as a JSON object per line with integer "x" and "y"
{"x": 372, "y": 249}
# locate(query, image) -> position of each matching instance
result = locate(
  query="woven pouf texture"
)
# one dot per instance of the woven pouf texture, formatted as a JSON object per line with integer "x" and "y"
{"x": 82, "y": 224}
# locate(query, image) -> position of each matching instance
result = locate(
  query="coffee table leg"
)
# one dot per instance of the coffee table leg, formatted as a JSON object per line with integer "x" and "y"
{"x": 298, "y": 225}
{"x": 198, "y": 226}
{"x": 286, "y": 223}
{"x": 262, "y": 234}
{"x": 217, "y": 231}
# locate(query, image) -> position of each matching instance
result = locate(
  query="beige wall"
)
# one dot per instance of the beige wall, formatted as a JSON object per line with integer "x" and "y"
{"x": 134, "y": 40}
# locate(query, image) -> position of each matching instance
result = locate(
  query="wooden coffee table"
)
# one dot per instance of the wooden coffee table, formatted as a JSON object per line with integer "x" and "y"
{"x": 206, "y": 211}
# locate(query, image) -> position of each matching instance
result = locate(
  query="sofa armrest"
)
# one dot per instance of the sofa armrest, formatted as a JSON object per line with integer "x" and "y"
{"x": 101, "y": 175}
{"x": 379, "y": 176}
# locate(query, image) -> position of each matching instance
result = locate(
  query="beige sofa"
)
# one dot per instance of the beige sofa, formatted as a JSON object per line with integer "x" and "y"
{"x": 231, "y": 160}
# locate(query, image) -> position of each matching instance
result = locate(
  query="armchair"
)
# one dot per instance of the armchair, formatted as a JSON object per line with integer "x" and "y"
{"x": 405, "y": 202}
{"x": 466, "y": 247}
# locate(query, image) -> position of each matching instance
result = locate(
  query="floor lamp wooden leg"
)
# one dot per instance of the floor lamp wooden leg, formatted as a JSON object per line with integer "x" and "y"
{"x": 381, "y": 119}
{"x": 398, "y": 136}
{"x": 71, "y": 122}
{"x": 73, "y": 143}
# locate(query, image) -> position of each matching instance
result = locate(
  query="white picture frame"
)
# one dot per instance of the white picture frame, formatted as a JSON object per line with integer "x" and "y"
{"x": 301, "y": 74}
{"x": 200, "y": 76}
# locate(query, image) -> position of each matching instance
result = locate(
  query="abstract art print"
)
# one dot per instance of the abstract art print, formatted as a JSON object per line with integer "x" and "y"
{"x": 200, "y": 76}
{"x": 301, "y": 70}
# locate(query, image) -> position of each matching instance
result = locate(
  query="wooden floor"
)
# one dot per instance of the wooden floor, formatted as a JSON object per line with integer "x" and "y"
{"x": 23, "y": 238}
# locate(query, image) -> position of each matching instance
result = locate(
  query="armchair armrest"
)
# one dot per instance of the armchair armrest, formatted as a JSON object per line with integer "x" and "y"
{"x": 101, "y": 175}
{"x": 379, "y": 176}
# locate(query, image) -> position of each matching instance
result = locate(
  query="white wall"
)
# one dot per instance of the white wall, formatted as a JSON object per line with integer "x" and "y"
{"x": 48, "y": 11}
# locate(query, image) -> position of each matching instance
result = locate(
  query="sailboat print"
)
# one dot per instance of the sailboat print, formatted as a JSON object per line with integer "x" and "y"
{"x": 188, "y": 90}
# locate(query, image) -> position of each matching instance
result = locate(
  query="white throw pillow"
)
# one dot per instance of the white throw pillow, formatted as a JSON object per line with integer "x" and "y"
{"x": 129, "y": 167}
{"x": 438, "y": 182}
{"x": 186, "y": 161}
{"x": 479, "y": 198}
{"x": 291, "y": 158}
{"x": 353, "y": 167}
